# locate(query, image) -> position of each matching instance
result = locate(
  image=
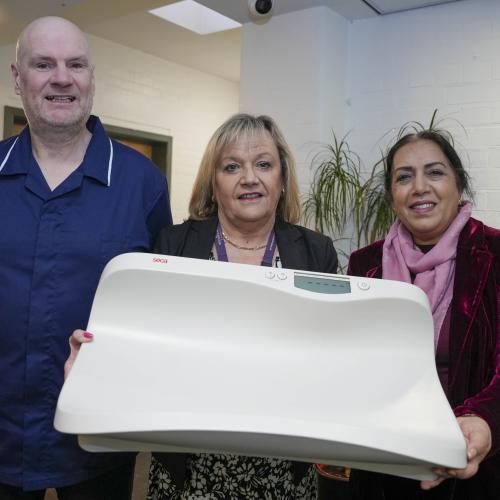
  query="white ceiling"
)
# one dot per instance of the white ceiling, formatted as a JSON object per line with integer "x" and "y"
{"x": 391, "y": 6}
{"x": 128, "y": 22}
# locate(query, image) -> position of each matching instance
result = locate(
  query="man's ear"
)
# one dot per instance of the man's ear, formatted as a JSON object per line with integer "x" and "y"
{"x": 15, "y": 78}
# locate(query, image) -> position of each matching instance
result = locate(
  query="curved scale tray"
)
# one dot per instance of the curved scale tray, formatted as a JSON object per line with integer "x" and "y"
{"x": 192, "y": 355}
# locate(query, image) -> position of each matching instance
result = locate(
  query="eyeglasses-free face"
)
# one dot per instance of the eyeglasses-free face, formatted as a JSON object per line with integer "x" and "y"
{"x": 248, "y": 180}
{"x": 424, "y": 190}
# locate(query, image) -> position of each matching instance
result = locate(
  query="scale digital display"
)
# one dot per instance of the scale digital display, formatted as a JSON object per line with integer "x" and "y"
{"x": 321, "y": 284}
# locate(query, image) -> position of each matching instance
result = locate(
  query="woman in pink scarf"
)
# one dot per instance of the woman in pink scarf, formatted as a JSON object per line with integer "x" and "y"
{"x": 436, "y": 245}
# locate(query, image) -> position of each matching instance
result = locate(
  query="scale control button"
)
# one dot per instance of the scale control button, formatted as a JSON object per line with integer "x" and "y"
{"x": 282, "y": 275}
{"x": 270, "y": 275}
{"x": 363, "y": 285}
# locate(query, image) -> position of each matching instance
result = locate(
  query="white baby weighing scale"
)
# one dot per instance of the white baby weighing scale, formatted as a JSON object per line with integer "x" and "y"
{"x": 192, "y": 355}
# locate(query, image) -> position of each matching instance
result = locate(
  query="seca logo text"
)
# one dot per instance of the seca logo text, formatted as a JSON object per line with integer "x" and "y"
{"x": 159, "y": 260}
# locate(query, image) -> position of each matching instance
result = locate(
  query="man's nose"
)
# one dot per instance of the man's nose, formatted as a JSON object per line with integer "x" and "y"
{"x": 61, "y": 75}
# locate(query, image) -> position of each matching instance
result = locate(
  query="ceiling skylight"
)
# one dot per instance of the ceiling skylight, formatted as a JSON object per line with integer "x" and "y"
{"x": 195, "y": 17}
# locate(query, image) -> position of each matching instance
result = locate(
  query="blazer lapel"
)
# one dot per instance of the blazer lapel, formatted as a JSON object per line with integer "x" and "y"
{"x": 200, "y": 239}
{"x": 290, "y": 252}
{"x": 472, "y": 265}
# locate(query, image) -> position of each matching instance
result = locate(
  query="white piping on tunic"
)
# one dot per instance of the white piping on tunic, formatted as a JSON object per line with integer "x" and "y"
{"x": 8, "y": 154}
{"x": 110, "y": 163}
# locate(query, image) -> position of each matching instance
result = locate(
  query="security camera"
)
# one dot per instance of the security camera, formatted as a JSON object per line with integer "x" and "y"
{"x": 261, "y": 8}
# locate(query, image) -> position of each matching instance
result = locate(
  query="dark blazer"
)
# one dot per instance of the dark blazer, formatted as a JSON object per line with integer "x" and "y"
{"x": 474, "y": 371}
{"x": 299, "y": 248}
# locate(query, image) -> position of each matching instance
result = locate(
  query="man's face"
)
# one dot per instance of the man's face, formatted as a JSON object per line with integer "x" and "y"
{"x": 54, "y": 76}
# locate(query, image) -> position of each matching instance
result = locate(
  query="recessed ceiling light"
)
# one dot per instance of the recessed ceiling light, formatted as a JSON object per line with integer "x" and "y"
{"x": 195, "y": 17}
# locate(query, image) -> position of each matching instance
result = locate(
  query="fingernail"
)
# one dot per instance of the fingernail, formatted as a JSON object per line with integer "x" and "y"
{"x": 88, "y": 335}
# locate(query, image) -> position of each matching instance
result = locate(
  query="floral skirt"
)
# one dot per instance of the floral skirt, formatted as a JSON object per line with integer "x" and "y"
{"x": 232, "y": 477}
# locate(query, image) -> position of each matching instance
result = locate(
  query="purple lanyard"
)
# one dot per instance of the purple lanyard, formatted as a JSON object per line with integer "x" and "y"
{"x": 220, "y": 248}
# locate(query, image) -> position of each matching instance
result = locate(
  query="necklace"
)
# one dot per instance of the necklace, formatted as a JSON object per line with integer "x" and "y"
{"x": 251, "y": 249}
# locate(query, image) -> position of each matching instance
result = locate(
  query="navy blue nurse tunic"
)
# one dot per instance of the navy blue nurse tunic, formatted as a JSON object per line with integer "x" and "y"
{"x": 53, "y": 247}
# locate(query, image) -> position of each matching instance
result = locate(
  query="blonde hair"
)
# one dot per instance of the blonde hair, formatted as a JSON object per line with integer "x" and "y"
{"x": 203, "y": 205}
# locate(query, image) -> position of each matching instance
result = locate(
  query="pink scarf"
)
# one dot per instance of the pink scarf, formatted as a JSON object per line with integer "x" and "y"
{"x": 434, "y": 271}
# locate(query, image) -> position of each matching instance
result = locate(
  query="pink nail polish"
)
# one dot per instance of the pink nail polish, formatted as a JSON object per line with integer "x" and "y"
{"x": 88, "y": 335}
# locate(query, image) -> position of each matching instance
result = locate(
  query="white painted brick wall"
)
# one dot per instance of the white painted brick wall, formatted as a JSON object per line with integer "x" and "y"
{"x": 382, "y": 72}
{"x": 444, "y": 57}
{"x": 293, "y": 68}
{"x": 142, "y": 92}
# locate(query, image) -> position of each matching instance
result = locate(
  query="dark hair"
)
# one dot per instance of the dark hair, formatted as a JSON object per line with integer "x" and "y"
{"x": 440, "y": 138}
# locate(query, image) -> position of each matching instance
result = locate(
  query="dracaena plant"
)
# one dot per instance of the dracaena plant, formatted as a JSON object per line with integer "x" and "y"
{"x": 341, "y": 194}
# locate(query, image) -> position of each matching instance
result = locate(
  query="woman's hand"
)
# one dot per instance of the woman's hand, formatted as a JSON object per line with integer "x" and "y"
{"x": 477, "y": 434}
{"x": 76, "y": 340}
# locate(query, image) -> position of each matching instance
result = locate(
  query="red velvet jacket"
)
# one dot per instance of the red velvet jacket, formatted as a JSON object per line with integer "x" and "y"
{"x": 474, "y": 350}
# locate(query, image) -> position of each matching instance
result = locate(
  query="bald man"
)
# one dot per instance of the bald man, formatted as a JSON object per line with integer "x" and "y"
{"x": 70, "y": 200}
